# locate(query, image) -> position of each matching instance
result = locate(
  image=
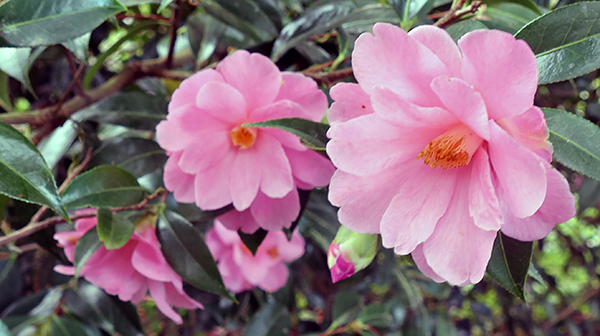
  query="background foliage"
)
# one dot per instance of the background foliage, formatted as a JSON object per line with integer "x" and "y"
{"x": 94, "y": 76}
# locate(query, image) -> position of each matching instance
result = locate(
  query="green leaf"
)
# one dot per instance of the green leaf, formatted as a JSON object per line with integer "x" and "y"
{"x": 136, "y": 110}
{"x": 104, "y": 186}
{"x": 25, "y": 175}
{"x": 253, "y": 241}
{"x": 575, "y": 141}
{"x": 85, "y": 248}
{"x": 312, "y": 134}
{"x": 530, "y": 4}
{"x": 509, "y": 263}
{"x": 4, "y": 329}
{"x": 5, "y": 102}
{"x": 16, "y": 63}
{"x": 243, "y": 15}
{"x": 204, "y": 33}
{"x": 459, "y": 29}
{"x": 319, "y": 220}
{"x": 50, "y": 302}
{"x": 138, "y": 156}
{"x": 508, "y": 17}
{"x": 271, "y": 320}
{"x": 80, "y": 47}
{"x": 566, "y": 41}
{"x": 113, "y": 230}
{"x": 185, "y": 250}
{"x": 407, "y": 9}
{"x": 60, "y": 326}
{"x": 375, "y": 315}
{"x": 164, "y": 4}
{"x": 346, "y": 307}
{"x": 29, "y": 23}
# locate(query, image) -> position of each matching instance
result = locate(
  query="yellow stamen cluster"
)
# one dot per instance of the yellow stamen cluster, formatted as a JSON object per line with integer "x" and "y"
{"x": 242, "y": 137}
{"x": 446, "y": 152}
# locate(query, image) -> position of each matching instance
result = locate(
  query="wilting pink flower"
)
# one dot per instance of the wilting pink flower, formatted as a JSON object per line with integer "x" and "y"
{"x": 439, "y": 146}
{"x": 131, "y": 271}
{"x": 214, "y": 161}
{"x": 241, "y": 270}
{"x": 350, "y": 252}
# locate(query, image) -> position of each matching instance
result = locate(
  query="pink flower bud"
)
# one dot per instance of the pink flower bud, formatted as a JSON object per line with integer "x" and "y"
{"x": 350, "y": 252}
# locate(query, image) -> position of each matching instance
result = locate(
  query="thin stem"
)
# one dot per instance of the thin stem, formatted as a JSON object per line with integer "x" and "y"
{"x": 456, "y": 12}
{"x": 175, "y": 21}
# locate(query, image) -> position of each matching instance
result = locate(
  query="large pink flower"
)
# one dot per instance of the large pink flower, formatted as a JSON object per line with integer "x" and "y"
{"x": 215, "y": 162}
{"x": 241, "y": 270}
{"x": 439, "y": 146}
{"x": 130, "y": 271}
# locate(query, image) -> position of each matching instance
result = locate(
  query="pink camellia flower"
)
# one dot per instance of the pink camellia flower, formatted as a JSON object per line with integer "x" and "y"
{"x": 439, "y": 146}
{"x": 214, "y": 161}
{"x": 131, "y": 271}
{"x": 241, "y": 270}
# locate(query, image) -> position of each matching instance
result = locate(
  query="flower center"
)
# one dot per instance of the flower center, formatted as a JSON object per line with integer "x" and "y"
{"x": 243, "y": 137}
{"x": 273, "y": 252}
{"x": 453, "y": 149}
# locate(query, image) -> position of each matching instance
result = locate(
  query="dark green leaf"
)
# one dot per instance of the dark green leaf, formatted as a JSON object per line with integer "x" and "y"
{"x": 138, "y": 156}
{"x": 319, "y": 220}
{"x": 312, "y": 134}
{"x": 194, "y": 214}
{"x": 363, "y": 19}
{"x": 509, "y": 263}
{"x": 204, "y": 33}
{"x": 459, "y": 29}
{"x": 25, "y": 175}
{"x": 575, "y": 141}
{"x": 271, "y": 320}
{"x": 48, "y": 305}
{"x": 508, "y": 17}
{"x": 566, "y": 41}
{"x": 5, "y": 102}
{"x": 114, "y": 230}
{"x": 185, "y": 250}
{"x": 164, "y": 4}
{"x": 253, "y": 241}
{"x": 92, "y": 305}
{"x": 130, "y": 109}
{"x": 16, "y": 62}
{"x": 375, "y": 315}
{"x": 28, "y": 23}
{"x": 85, "y": 248}
{"x": 80, "y": 47}
{"x": 11, "y": 282}
{"x": 313, "y": 22}
{"x": 530, "y": 4}
{"x": 25, "y": 304}
{"x": 4, "y": 329}
{"x": 103, "y": 186}
{"x": 54, "y": 147}
{"x": 68, "y": 327}
{"x": 346, "y": 307}
{"x": 243, "y": 15}
{"x": 407, "y": 9}
{"x": 272, "y": 10}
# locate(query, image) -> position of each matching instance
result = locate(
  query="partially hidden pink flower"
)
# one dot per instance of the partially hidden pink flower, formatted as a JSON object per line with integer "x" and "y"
{"x": 350, "y": 252}
{"x": 131, "y": 271}
{"x": 241, "y": 270}
{"x": 214, "y": 161}
{"x": 439, "y": 146}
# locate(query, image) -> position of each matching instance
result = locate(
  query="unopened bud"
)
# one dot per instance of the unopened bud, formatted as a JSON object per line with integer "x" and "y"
{"x": 351, "y": 252}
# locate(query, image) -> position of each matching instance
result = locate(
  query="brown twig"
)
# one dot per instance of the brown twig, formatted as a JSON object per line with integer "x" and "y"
{"x": 570, "y": 309}
{"x": 329, "y": 78}
{"x": 35, "y": 227}
{"x": 73, "y": 68}
{"x": 456, "y": 12}
{"x": 175, "y": 21}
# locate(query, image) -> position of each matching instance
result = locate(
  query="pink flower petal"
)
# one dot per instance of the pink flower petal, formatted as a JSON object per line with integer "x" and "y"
{"x": 521, "y": 173}
{"x": 150, "y": 262}
{"x": 239, "y": 220}
{"x": 231, "y": 275}
{"x": 305, "y": 92}
{"x": 227, "y": 236}
{"x": 278, "y": 277}
{"x": 503, "y": 70}
{"x": 558, "y": 207}
{"x": 277, "y": 180}
{"x": 222, "y": 101}
{"x": 212, "y": 186}
{"x": 484, "y": 206}
{"x": 464, "y": 102}
{"x": 421, "y": 200}
{"x": 419, "y": 259}
{"x": 458, "y": 251}
{"x": 190, "y": 119}
{"x": 275, "y": 213}
{"x": 63, "y": 269}
{"x": 179, "y": 298}
{"x": 178, "y": 182}
{"x": 382, "y": 59}
{"x": 246, "y": 174}
{"x": 254, "y": 75}
{"x": 310, "y": 167}
{"x": 205, "y": 152}
{"x": 529, "y": 129}
{"x": 130, "y": 288}
{"x": 254, "y": 268}
{"x": 351, "y": 101}
{"x": 215, "y": 245}
{"x": 278, "y": 110}
{"x": 159, "y": 294}
{"x": 186, "y": 93}
{"x": 290, "y": 250}
{"x": 441, "y": 44}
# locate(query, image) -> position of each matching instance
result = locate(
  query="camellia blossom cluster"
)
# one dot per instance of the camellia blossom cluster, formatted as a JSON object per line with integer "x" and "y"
{"x": 214, "y": 160}
{"x": 131, "y": 271}
{"x": 243, "y": 271}
{"x": 439, "y": 146}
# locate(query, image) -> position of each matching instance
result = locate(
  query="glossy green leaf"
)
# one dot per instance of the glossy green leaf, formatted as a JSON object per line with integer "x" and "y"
{"x": 509, "y": 263}
{"x": 346, "y": 307}
{"x": 566, "y": 41}
{"x": 243, "y": 15}
{"x": 459, "y": 29}
{"x": 50, "y": 302}
{"x": 185, "y": 250}
{"x": 25, "y": 175}
{"x": 60, "y": 326}
{"x": 253, "y": 241}
{"x": 136, "y": 110}
{"x": 530, "y": 4}
{"x": 271, "y": 320}
{"x": 316, "y": 21}
{"x": 508, "y": 17}
{"x": 164, "y": 4}
{"x": 312, "y": 134}
{"x": 114, "y": 230}
{"x": 272, "y": 10}
{"x": 375, "y": 315}
{"x": 362, "y": 20}
{"x": 407, "y": 9}
{"x": 574, "y": 140}
{"x": 29, "y": 23}
{"x": 85, "y": 248}
{"x": 204, "y": 33}
{"x": 319, "y": 220}
{"x": 138, "y": 156}
{"x": 80, "y": 47}
{"x": 103, "y": 186}
{"x": 4, "y": 329}
{"x": 16, "y": 63}
{"x": 93, "y": 306}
